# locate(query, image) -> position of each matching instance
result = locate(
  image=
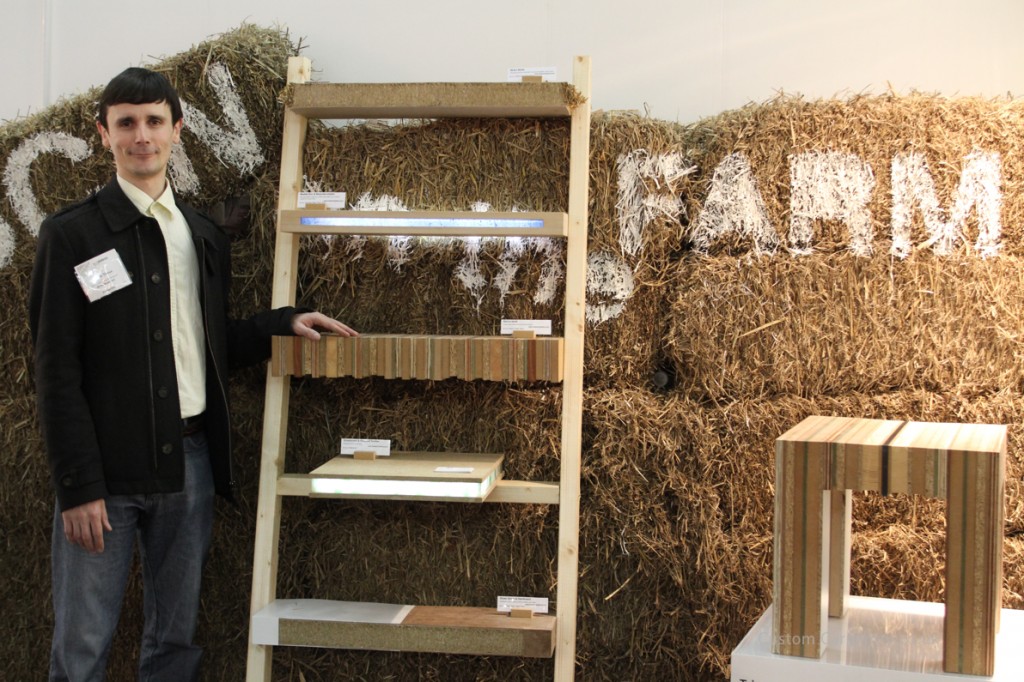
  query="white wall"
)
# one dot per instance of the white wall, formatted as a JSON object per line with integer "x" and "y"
{"x": 679, "y": 60}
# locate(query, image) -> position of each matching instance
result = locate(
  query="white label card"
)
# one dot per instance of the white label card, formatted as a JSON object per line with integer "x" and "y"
{"x": 540, "y": 327}
{"x": 536, "y": 604}
{"x": 547, "y": 73}
{"x": 102, "y": 275}
{"x": 381, "y": 448}
{"x": 334, "y": 201}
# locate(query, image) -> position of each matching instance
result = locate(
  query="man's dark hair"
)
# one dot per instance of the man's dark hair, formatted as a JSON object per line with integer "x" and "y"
{"x": 136, "y": 85}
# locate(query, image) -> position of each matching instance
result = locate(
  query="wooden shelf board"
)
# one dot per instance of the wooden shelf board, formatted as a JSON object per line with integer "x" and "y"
{"x": 477, "y": 631}
{"x": 425, "y": 223}
{"x": 524, "y": 492}
{"x": 430, "y": 100}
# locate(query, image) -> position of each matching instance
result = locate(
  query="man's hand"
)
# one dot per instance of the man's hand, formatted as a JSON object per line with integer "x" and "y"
{"x": 306, "y": 324}
{"x": 84, "y": 525}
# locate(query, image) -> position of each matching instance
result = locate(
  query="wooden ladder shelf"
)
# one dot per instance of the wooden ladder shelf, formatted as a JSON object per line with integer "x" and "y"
{"x": 423, "y": 628}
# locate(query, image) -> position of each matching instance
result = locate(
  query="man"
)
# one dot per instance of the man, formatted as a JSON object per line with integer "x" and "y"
{"x": 128, "y": 312}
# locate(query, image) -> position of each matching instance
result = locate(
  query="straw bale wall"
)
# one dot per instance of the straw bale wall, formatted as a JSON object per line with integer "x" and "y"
{"x": 855, "y": 257}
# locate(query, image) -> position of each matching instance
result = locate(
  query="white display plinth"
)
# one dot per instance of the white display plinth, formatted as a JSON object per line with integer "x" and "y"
{"x": 881, "y": 640}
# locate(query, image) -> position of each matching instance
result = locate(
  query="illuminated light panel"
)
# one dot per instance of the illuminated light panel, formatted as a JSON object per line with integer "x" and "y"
{"x": 457, "y": 477}
{"x": 395, "y": 488}
{"x": 468, "y": 223}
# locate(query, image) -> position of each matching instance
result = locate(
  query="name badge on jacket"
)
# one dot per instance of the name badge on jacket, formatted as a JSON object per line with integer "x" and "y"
{"x": 102, "y": 275}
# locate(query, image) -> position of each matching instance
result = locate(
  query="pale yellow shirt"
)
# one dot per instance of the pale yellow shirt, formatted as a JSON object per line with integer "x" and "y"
{"x": 186, "y": 312}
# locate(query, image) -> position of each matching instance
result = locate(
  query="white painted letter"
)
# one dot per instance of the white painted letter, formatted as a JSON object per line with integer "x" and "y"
{"x": 912, "y": 185}
{"x": 832, "y": 186}
{"x": 636, "y": 205}
{"x": 734, "y": 205}
{"x": 18, "y": 181}
{"x": 6, "y": 243}
{"x": 609, "y": 286}
{"x": 236, "y": 145}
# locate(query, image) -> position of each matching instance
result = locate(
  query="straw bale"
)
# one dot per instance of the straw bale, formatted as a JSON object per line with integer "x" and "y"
{"x": 836, "y": 324}
{"x": 875, "y": 128}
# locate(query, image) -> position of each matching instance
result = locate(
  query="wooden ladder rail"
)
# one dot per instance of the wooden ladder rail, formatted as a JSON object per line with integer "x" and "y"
{"x": 275, "y": 410}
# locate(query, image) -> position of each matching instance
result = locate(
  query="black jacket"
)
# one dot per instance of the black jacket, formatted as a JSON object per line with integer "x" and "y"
{"x": 105, "y": 375}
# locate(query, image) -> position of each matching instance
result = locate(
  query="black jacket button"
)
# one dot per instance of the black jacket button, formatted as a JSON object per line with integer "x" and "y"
{"x": 167, "y": 448}
{"x": 158, "y": 335}
{"x": 154, "y": 278}
{"x": 162, "y": 392}
{"x": 67, "y": 481}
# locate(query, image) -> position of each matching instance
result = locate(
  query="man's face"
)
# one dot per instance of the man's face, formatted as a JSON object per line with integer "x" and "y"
{"x": 141, "y": 137}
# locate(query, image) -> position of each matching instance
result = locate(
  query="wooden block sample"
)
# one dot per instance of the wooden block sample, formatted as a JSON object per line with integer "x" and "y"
{"x": 963, "y": 463}
{"x": 402, "y": 356}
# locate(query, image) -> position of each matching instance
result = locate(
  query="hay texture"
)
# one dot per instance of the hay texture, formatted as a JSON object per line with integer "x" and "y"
{"x": 855, "y": 258}
{"x": 441, "y": 286}
{"x": 831, "y": 324}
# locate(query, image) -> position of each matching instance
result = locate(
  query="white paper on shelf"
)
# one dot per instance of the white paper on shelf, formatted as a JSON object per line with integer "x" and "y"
{"x": 516, "y": 73}
{"x": 539, "y": 327}
{"x": 535, "y": 604}
{"x": 380, "y": 447}
{"x": 334, "y": 201}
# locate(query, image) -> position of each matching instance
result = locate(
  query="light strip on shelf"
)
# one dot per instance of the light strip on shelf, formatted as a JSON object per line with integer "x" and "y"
{"x": 358, "y": 487}
{"x": 342, "y": 221}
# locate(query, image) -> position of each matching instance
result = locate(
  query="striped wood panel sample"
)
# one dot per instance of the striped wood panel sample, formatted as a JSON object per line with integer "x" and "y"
{"x": 403, "y": 356}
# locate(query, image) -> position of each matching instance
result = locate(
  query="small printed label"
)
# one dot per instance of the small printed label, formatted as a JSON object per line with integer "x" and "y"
{"x": 539, "y": 327}
{"x": 545, "y": 73}
{"x": 379, "y": 447}
{"x": 536, "y": 604}
{"x": 102, "y": 275}
{"x": 334, "y": 201}
{"x": 454, "y": 470}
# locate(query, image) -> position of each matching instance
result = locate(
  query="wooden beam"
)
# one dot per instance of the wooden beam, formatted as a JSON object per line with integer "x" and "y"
{"x": 572, "y": 382}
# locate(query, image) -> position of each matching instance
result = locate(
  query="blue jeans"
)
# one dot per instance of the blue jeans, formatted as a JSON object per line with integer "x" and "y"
{"x": 173, "y": 532}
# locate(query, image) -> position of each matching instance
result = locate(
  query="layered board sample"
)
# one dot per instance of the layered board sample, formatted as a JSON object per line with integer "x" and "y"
{"x": 413, "y": 356}
{"x": 436, "y": 476}
{"x": 392, "y": 627}
{"x": 962, "y": 463}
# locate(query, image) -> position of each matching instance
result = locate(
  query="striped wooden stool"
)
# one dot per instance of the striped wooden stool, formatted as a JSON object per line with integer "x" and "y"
{"x": 963, "y": 463}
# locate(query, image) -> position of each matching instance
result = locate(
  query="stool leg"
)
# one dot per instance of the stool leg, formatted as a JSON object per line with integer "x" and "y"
{"x": 840, "y": 522}
{"x": 801, "y": 559}
{"x": 974, "y": 537}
